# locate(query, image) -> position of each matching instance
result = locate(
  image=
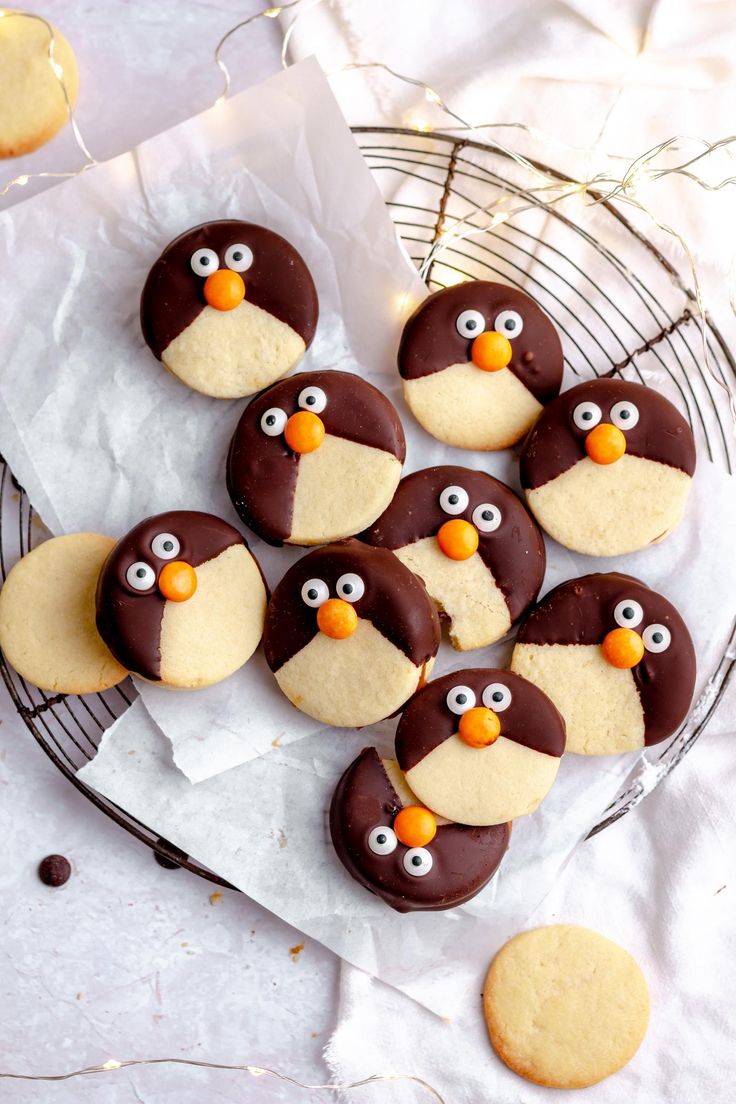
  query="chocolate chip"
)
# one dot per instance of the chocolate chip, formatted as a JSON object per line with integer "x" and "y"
{"x": 164, "y": 860}
{"x": 54, "y": 870}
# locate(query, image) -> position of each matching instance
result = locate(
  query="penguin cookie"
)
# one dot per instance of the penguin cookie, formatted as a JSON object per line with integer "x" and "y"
{"x": 181, "y": 600}
{"x": 350, "y": 634}
{"x": 615, "y": 657}
{"x": 228, "y": 308}
{"x": 479, "y": 361}
{"x": 473, "y": 544}
{"x": 607, "y": 468}
{"x": 315, "y": 458}
{"x": 480, "y": 746}
{"x": 400, "y": 851}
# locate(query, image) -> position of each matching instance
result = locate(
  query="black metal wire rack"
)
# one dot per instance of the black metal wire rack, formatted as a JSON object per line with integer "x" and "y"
{"x": 636, "y": 315}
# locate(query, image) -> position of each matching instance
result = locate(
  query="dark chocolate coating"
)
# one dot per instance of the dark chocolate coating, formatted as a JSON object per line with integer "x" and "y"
{"x": 531, "y": 719}
{"x": 464, "y": 859}
{"x": 513, "y": 553}
{"x": 430, "y": 341}
{"x": 555, "y": 444}
{"x": 580, "y": 611}
{"x": 278, "y": 281}
{"x": 395, "y": 602}
{"x": 128, "y": 620}
{"x": 262, "y": 471}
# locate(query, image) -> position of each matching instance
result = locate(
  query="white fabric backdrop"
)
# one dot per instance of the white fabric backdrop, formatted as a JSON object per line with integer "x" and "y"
{"x": 653, "y": 882}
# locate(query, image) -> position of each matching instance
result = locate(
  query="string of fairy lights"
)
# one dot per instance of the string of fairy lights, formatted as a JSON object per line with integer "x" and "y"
{"x": 621, "y": 184}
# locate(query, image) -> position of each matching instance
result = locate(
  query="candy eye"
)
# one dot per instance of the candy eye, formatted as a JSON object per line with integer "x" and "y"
{"x": 204, "y": 261}
{"x": 509, "y": 323}
{"x": 586, "y": 415}
{"x": 140, "y": 576}
{"x": 314, "y": 399}
{"x": 657, "y": 638}
{"x": 497, "y": 697}
{"x": 382, "y": 841}
{"x": 274, "y": 421}
{"x": 486, "y": 517}
{"x": 454, "y": 500}
{"x": 417, "y": 862}
{"x": 350, "y": 587}
{"x": 460, "y": 699}
{"x": 239, "y": 257}
{"x": 315, "y": 592}
{"x": 624, "y": 415}
{"x": 165, "y": 546}
{"x": 470, "y": 323}
{"x": 628, "y": 614}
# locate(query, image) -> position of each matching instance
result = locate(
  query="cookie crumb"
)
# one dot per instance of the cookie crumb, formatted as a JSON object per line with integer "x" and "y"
{"x": 215, "y": 897}
{"x": 296, "y": 951}
{"x": 54, "y": 870}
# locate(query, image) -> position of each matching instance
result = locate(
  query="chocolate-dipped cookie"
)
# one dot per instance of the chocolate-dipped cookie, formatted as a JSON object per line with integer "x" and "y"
{"x": 400, "y": 851}
{"x": 473, "y": 544}
{"x": 350, "y": 634}
{"x": 480, "y": 746}
{"x": 614, "y": 656}
{"x": 229, "y": 307}
{"x": 479, "y": 361}
{"x": 607, "y": 468}
{"x": 181, "y": 600}
{"x": 315, "y": 458}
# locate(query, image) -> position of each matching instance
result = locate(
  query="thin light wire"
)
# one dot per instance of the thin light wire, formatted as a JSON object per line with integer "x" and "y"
{"x": 23, "y": 178}
{"x": 113, "y": 1064}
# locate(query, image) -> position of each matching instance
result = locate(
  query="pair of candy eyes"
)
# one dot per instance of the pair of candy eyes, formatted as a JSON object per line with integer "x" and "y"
{"x": 486, "y": 517}
{"x": 140, "y": 575}
{"x": 238, "y": 257}
{"x": 624, "y": 415}
{"x": 274, "y": 420}
{"x": 350, "y": 587}
{"x": 628, "y": 614}
{"x": 496, "y": 696}
{"x": 471, "y": 323}
{"x": 417, "y": 860}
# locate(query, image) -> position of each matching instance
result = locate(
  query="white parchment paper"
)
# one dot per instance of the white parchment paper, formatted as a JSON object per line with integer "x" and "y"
{"x": 93, "y": 427}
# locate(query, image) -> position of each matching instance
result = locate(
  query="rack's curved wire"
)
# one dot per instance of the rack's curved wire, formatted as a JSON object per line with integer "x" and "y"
{"x": 637, "y": 307}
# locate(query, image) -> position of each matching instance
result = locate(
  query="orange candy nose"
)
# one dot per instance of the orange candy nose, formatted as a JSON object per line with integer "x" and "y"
{"x": 623, "y": 648}
{"x": 491, "y": 351}
{"x": 304, "y": 431}
{"x": 177, "y": 581}
{"x": 337, "y": 619}
{"x": 224, "y": 289}
{"x": 605, "y": 444}
{"x": 415, "y": 826}
{"x": 458, "y": 539}
{"x": 479, "y": 727}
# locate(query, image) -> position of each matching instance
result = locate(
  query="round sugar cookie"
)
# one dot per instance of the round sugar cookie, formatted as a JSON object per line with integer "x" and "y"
{"x": 479, "y": 361}
{"x": 181, "y": 600}
{"x": 614, "y": 656}
{"x": 47, "y": 617}
{"x": 350, "y": 634}
{"x": 32, "y": 104}
{"x": 564, "y": 1006}
{"x": 607, "y": 468}
{"x": 480, "y": 746}
{"x": 472, "y": 543}
{"x": 229, "y": 307}
{"x": 400, "y": 851}
{"x": 315, "y": 458}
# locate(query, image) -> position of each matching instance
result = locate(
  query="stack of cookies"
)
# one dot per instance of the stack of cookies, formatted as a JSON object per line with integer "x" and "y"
{"x": 602, "y": 665}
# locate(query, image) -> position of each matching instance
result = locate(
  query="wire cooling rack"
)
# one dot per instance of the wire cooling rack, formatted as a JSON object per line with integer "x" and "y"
{"x": 635, "y": 316}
